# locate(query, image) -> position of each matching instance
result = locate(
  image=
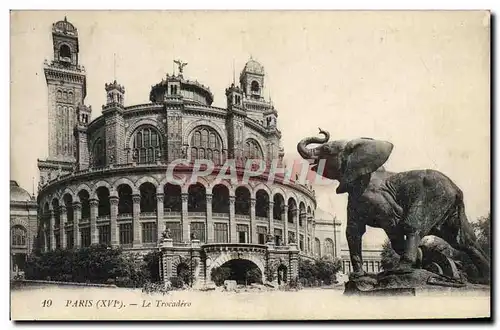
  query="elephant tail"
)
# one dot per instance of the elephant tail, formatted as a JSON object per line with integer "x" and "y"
{"x": 468, "y": 243}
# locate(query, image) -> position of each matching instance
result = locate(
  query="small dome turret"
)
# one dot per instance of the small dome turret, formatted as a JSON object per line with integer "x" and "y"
{"x": 18, "y": 194}
{"x": 253, "y": 66}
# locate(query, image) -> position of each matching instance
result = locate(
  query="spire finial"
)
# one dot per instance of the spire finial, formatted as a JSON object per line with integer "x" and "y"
{"x": 114, "y": 66}
{"x": 234, "y": 79}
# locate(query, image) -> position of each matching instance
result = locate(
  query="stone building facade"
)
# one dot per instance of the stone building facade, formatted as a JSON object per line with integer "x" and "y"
{"x": 23, "y": 227}
{"x": 327, "y": 235}
{"x": 105, "y": 181}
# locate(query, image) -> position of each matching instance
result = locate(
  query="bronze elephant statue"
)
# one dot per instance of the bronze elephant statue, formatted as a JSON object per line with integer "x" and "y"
{"x": 407, "y": 205}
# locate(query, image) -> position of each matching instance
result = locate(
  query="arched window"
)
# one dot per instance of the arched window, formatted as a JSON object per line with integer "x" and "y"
{"x": 98, "y": 153}
{"x": 206, "y": 144}
{"x": 262, "y": 204}
{"x": 253, "y": 150}
{"x": 146, "y": 145}
{"x": 328, "y": 247}
{"x": 255, "y": 86}
{"x": 18, "y": 236}
{"x": 64, "y": 51}
{"x": 317, "y": 247}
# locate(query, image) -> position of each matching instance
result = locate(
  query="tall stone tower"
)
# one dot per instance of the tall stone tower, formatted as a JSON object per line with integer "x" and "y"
{"x": 66, "y": 82}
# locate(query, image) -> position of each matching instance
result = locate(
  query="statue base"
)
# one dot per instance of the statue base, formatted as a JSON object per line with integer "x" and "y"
{"x": 402, "y": 282}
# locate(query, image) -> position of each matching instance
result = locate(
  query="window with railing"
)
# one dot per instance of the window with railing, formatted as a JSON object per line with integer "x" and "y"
{"x": 198, "y": 229}
{"x": 85, "y": 237}
{"x": 221, "y": 233}
{"x": 278, "y": 236}
{"x": 126, "y": 233}
{"x": 18, "y": 236}
{"x": 175, "y": 230}
{"x": 149, "y": 232}
{"x": 261, "y": 233}
{"x": 104, "y": 234}
{"x": 242, "y": 233}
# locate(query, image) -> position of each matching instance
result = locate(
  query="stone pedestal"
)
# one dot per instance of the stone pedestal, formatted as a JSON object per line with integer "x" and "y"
{"x": 399, "y": 282}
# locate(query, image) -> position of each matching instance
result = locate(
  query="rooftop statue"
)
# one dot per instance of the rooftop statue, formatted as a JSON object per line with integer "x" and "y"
{"x": 408, "y": 205}
{"x": 181, "y": 65}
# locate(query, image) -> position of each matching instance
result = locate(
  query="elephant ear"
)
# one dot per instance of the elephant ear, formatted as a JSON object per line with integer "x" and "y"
{"x": 363, "y": 156}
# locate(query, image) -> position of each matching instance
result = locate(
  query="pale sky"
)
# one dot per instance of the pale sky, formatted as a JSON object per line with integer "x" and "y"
{"x": 417, "y": 79}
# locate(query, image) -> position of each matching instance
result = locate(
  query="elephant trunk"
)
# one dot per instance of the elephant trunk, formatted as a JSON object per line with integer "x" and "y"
{"x": 309, "y": 153}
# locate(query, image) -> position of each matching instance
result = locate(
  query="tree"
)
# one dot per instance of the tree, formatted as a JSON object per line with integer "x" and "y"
{"x": 390, "y": 259}
{"x": 482, "y": 229}
{"x": 320, "y": 271}
{"x": 326, "y": 268}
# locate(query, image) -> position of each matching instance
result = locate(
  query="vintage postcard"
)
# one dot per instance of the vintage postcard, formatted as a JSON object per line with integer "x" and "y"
{"x": 250, "y": 165}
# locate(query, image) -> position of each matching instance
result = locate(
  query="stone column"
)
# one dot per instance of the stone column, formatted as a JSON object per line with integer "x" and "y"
{"x": 51, "y": 230}
{"x": 77, "y": 216}
{"x": 209, "y": 226}
{"x": 313, "y": 234}
{"x": 294, "y": 264}
{"x": 284, "y": 216}
{"x": 113, "y": 225}
{"x": 136, "y": 226}
{"x": 297, "y": 231}
{"x": 160, "y": 222}
{"x": 304, "y": 224}
{"x": 232, "y": 221}
{"x": 271, "y": 218}
{"x": 184, "y": 218}
{"x": 253, "y": 223}
{"x": 94, "y": 234}
{"x": 63, "y": 217}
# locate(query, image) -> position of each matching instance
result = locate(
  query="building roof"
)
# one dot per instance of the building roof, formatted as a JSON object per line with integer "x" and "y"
{"x": 324, "y": 216}
{"x": 253, "y": 66}
{"x": 18, "y": 194}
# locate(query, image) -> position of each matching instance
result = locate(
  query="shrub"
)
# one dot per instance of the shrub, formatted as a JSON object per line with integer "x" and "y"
{"x": 155, "y": 288}
{"x": 177, "y": 282}
{"x": 220, "y": 274}
{"x": 320, "y": 271}
{"x": 93, "y": 264}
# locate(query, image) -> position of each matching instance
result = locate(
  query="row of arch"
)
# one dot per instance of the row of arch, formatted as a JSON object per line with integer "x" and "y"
{"x": 208, "y": 185}
{"x": 172, "y": 201}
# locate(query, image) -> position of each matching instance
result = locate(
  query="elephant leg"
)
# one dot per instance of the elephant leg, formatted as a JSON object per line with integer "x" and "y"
{"x": 409, "y": 257}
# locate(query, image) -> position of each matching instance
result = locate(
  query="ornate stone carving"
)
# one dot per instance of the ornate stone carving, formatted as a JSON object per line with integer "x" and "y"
{"x": 184, "y": 197}
{"x": 136, "y": 199}
{"x": 113, "y": 200}
{"x": 167, "y": 234}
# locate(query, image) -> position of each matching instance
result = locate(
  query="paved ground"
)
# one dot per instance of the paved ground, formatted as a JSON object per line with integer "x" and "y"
{"x": 117, "y": 303}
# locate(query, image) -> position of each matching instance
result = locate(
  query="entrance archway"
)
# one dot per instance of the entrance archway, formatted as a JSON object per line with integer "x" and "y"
{"x": 183, "y": 272}
{"x": 242, "y": 271}
{"x": 282, "y": 274}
